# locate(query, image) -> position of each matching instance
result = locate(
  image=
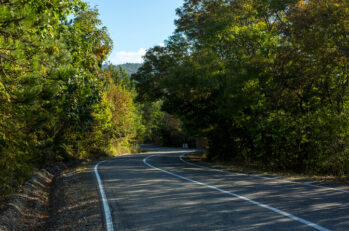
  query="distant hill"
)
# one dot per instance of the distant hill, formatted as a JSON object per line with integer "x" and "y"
{"x": 130, "y": 68}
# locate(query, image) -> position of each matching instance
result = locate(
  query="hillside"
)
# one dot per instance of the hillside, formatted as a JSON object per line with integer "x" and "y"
{"x": 130, "y": 68}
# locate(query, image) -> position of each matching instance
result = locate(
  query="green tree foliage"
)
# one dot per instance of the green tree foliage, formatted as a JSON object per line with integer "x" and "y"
{"x": 55, "y": 101}
{"x": 162, "y": 128}
{"x": 153, "y": 118}
{"x": 265, "y": 81}
{"x": 32, "y": 78}
{"x": 126, "y": 119}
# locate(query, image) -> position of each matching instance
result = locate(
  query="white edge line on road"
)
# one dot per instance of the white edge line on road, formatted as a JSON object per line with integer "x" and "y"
{"x": 108, "y": 219}
{"x": 308, "y": 223}
{"x": 262, "y": 177}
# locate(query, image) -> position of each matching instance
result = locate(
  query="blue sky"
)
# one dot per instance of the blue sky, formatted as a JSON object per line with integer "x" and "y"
{"x": 136, "y": 25}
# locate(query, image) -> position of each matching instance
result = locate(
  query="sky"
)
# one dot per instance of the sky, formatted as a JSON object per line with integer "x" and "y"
{"x": 136, "y": 25}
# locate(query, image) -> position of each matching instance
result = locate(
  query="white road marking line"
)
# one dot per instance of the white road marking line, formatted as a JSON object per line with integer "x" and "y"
{"x": 108, "y": 219}
{"x": 262, "y": 177}
{"x": 308, "y": 223}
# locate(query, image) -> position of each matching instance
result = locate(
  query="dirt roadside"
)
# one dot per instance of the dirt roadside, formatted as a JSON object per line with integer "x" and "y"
{"x": 74, "y": 201}
{"x": 56, "y": 198}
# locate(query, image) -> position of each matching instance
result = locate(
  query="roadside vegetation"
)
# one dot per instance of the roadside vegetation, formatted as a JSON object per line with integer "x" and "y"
{"x": 56, "y": 103}
{"x": 265, "y": 81}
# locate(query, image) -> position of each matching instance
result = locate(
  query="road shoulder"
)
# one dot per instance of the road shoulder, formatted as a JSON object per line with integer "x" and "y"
{"x": 74, "y": 202}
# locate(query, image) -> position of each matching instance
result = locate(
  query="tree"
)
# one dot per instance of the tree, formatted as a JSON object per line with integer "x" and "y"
{"x": 51, "y": 85}
{"x": 265, "y": 81}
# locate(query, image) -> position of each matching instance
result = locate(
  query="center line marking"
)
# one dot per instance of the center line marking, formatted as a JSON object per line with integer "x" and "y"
{"x": 293, "y": 217}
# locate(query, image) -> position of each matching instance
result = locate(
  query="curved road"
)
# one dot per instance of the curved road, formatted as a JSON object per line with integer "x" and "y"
{"x": 160, "y": 190}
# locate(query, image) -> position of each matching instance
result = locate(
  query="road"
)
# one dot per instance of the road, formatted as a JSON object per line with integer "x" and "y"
{"x": 160, "y": 190}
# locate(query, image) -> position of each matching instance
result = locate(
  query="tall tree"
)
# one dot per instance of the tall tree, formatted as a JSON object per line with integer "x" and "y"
{"x": 265, "y": 81}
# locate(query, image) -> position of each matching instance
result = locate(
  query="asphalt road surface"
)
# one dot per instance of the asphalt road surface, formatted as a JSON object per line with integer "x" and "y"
{"x": 160, "y": 190}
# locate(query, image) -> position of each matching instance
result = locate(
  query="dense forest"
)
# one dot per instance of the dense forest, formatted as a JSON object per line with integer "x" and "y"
{"x": 59, "y": 98}
{"x": 265, "y": 81}
{"x": 56, "y": 102}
